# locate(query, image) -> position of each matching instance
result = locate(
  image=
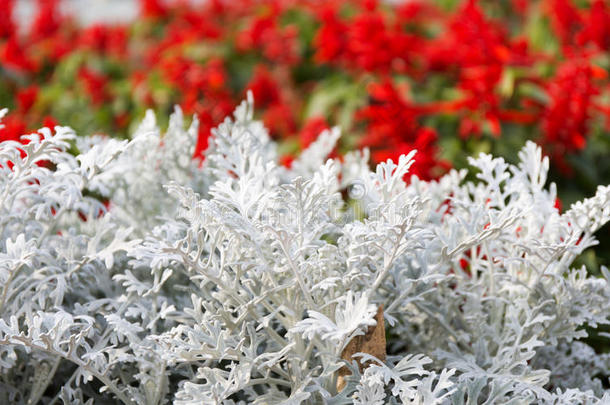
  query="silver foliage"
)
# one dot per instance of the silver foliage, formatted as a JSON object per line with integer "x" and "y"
{"x": 240, "y": 281}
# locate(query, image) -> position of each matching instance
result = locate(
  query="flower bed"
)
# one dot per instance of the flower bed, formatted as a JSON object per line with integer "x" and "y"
{"x": 131, "y": 272}
{"x": 449, "y": 78}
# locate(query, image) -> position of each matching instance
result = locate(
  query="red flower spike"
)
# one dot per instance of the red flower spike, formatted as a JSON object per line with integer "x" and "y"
{"x": 26, "y": 98}
{"x": 7, "y": 25}
{"x": 152, "y": 9}
{"x": 14, "y": 56}
{"x": 105, "y": 40}
{"x": 597, "y": 26}
{"x": 313, "y": 127}
{"x": 265, "y": 89}
{"x": 47, "y": 20}
{"x": 95, "y": 84}
{"x": 566, "y": 118}
{"x": 330, "y": 41}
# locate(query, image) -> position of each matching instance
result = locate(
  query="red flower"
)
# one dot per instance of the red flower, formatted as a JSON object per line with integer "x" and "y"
{"x": 7, "y": 25}
{"x": 193, "y": 77}
{"x": 11, "y": 128}
{"x": 105, "y": 40}
{"x": 26, "y": 98}
{"x": 566, "y": 118}
{"x": 206, "y": 123}
{"x": 277, "y": 44}
{"x": 313, "y": 127}
{"x": 369, "y": 42}
{"x": 330, "y": 41}
{"x": 47, "y": 20}
{"x": 480, "y": 99}
{"x": 388, "y": 116}
{"x": 566, "y": 20}
{"x": 49, "y": 122}
{"x": 210, "y": 116}
{"x": 286, "y": 160}
{"x": 471, "y": 40}
{"x": 426, "y": 164}
{"x": 597, "y": 26}
{"x": 14, "y": 56}
{"x": 152, "y": 9}
{"x": 279, "y": 120}
{"x": 264, "y": 88}
{"x": 392, "y": 130}
{"x": 95, "y": 84}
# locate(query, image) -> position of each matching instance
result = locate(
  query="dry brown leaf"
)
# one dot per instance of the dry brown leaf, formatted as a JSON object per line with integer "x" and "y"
{"x": 372, "y": 342}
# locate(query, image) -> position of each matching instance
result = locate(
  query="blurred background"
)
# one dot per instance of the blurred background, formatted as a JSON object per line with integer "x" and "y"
{"x": 86, "y": 11}
{"x": 450, "y": 78}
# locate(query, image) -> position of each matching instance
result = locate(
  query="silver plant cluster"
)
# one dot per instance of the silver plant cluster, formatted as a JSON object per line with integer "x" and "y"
{"x": 239, "y": 281}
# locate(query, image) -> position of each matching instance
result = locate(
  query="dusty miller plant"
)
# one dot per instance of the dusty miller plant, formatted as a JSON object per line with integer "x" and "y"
{"x": 241, "y": 281}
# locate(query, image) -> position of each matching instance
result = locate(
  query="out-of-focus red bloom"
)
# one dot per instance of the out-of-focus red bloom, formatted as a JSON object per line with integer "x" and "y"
{"x": 286, "y": 160}
{"x": 11, "y": 128}
{"x": 190, "y": 76}
{"x": 122, "y": 120}
{"x": 279, "y": 120}
{"x": 521, "y": 6}
{"x": 264, "y": 35}
{"x": 417, "y": 11}
{"x": 312, "y": 128}
{"x": 14, "y": 56}
{"x": 49, "y": 122}
{"x": 330, "y": 41}
{"x": 369, "y": 41}
{"x": 476, "y": 50}
{"x": 7, "y": 25}
{"x": 471, "y": 40}
{"x": 153, "y": 8}
{"x": 597, "y": 26}
{"x": 210, "y": 114}
{"x": 206, "y": 123}
{"x": 377, "y": 47}
{"x": 481, "y": 100}
{"x": 558, "y": 205}
{"x": 565, "y": 19}
{"x": 388, "y": 116}
{"x": 566, "y": 119}
{"x": 26, "y": 98}
{"x": 392, "y": 130}
{"x": 427, "y": 165}
{"x": 105, "y": 40}
{"x": 95, "y": 83}
{"x": 264, "y": 87}
{"x": 47, "y": 20}
{"x": 202, "y": 25}
{"x": 212, "y": 77}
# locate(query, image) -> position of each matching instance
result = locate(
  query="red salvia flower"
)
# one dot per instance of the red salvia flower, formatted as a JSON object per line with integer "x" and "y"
{"x": 330, "y": 41}
{"x": 26, "y": 98}
{"x": 95, "y": 84}
{"x": 152, "y": 9}
{"x": 279, "y": 120}
{"x": 105, "y": 40}
{"x": 264, "y": 88}
{"x": 313, "y": 127}
{"x": 47, "y": 20}
{"x": 12, "y": 128}
{"x": 597, "y": 26}
{"x": 566, "y": 20}
{"x": 7, "y": 25}
{"x": 13, "y": 56}
{"x": 565, "y": 122}
{"x": 392, "y": 130}
{"x": 265, "y": 36}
